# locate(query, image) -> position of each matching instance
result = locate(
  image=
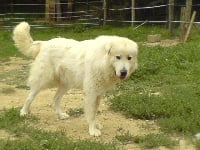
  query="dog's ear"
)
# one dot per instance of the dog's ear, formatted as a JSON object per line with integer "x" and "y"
{"x": 108, "y": 48}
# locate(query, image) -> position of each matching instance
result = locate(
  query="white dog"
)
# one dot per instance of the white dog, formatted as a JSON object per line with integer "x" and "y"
{"x": 92, "y": 65}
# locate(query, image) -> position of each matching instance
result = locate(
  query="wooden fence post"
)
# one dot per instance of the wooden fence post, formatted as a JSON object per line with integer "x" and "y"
{"x": 69, "y": 9}
{"x": 133, "y": 13}
{"x": 182, "y": 25}
{"x": 171, "y": 16}
{"x": 104, "y": 12}
{"x": 58, "y": 11}
{"x": 188, "y": 11}
{"x": 47, "y": 17}
{"x": 52, "y": 8}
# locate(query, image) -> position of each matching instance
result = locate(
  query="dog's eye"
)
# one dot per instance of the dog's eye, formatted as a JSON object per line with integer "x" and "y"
{"x": 118, "y": 57}
{"x": 129, "y": 57}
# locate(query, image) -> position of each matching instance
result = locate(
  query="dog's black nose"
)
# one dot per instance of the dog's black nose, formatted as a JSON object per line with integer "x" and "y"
{"x": 123, "y": 73}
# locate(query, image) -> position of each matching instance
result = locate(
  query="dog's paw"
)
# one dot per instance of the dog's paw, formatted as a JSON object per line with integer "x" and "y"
{"x": 23, "y": 112}
{"x": 63, "y": 116}
{"x": 94, "y": 132}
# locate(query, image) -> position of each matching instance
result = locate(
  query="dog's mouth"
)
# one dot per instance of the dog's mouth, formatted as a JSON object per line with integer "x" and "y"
{"x": 122, "y": 77}
{"x": 123, "y": 74}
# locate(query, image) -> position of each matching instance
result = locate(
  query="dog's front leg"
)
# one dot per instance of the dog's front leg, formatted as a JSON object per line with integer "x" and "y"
{"x": 91, "y": 106}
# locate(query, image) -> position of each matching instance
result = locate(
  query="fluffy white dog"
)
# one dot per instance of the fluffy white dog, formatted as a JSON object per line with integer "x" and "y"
{"x": 92, "y": 65}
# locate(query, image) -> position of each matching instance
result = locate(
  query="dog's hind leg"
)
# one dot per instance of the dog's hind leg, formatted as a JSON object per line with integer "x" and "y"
{"x": 25, "y": 109}
{"x": 40, "y": 76}
{"x": 56, "y": 103}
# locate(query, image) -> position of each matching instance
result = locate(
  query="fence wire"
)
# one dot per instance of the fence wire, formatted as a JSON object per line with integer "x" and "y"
{"x": 87, "y": 13}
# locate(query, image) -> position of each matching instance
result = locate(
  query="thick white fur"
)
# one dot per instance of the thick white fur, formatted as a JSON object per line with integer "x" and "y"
{"x": 92, "y": 65}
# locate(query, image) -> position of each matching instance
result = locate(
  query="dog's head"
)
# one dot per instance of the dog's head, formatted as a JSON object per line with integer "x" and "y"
{"x": 122, "y": 54}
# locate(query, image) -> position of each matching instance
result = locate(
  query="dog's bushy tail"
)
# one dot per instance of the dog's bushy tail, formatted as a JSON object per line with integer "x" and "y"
{"x": 23, "y": 40}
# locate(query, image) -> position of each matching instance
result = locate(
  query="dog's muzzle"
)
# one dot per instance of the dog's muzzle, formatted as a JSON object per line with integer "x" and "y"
{"x": 123, "y": 74}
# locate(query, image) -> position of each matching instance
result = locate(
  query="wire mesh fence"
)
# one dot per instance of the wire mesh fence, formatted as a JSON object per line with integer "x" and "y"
{"x": 61, "y": 13}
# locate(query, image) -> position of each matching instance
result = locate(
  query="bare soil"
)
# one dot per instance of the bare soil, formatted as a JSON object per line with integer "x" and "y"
{"x": 164, "y": 43}
{"x": 75, "y": 127}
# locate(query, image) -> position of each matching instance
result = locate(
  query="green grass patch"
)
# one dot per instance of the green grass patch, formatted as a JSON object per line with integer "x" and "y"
{"x": 166, "y": 109}
{"x": 10, "y": 117}
{"x": 148, "y": 141}
{"x": 154, "y": 140}
{"x": 7, "y": 48}
{"x": 125, "y": 138}
{"x": 38, "y": 139}
{"x": 12, "y": 122}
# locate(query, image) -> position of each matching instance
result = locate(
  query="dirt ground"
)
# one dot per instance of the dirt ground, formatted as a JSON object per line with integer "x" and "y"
{"x": 75, "y": 127}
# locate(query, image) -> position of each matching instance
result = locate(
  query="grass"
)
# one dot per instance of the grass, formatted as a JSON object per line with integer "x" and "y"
{"x": 148, "y": 141}
{"x": 171, "y": 71}
{"x": 125, "y": 138}
{"x": 52, "y": 142}
{"x": 12, "y": 122}
{"x": 28, "y": 137}
{"x": 16, "y": 77}
{"x": 7, "y": 48}
{"x": 154, "y": 140}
